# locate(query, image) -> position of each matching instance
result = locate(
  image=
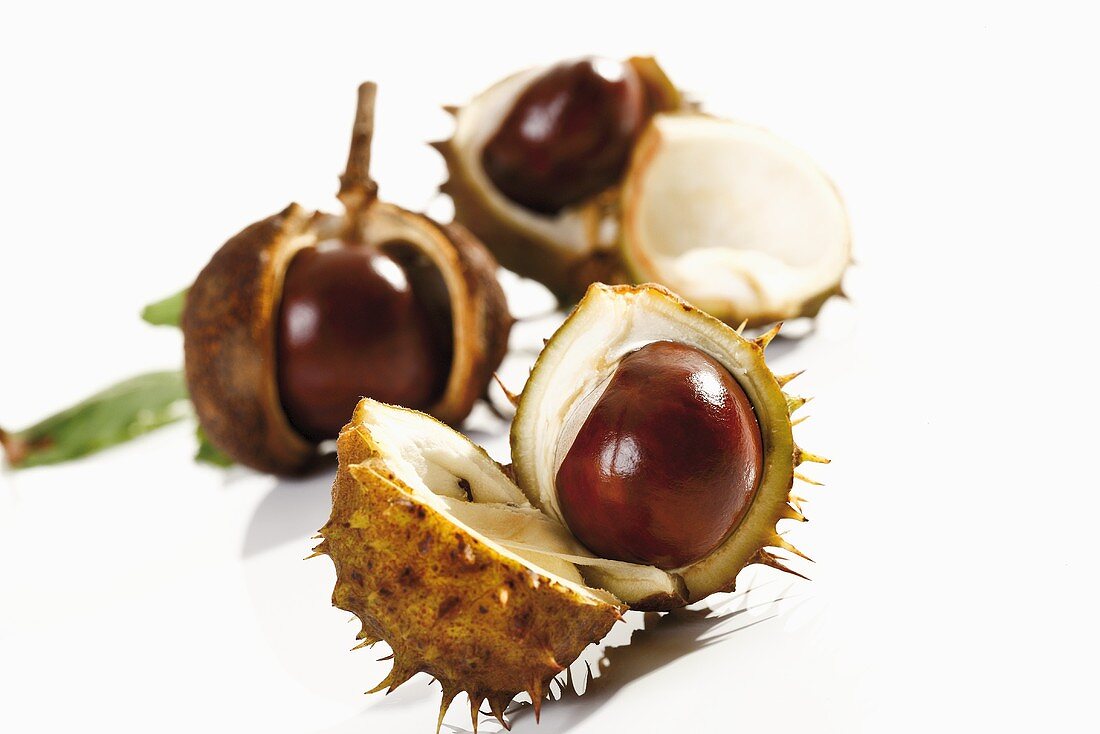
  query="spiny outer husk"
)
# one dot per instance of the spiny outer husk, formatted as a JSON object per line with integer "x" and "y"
{"x": 229, "y": 327}
{"x": 751, "y": 540}
{"x": 447, "y": 603}
{"x": 533, "y": 254}
{"x": 772, "y": 502}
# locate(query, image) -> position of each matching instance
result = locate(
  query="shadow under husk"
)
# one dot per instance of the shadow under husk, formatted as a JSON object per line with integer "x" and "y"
{"x": 658, "y": 640}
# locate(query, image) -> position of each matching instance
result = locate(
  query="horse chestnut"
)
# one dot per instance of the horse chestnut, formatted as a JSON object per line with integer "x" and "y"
{"x": 300, "y": 314}
{"x": 351, "y": 324}
{"x": 569, "y": 134}
{"x": 667, "y": 461}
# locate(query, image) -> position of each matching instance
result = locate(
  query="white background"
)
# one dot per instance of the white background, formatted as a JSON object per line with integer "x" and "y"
{"x": 956, "y": 566}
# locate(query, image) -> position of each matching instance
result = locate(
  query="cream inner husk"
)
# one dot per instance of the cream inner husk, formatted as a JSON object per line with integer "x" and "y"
{"x": 453, "y": 476}
{"x": 571, "y": 229}
{"x": 731, "y": 217}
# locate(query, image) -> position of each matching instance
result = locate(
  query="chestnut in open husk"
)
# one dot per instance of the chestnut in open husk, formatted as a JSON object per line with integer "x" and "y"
{"x": 598, "y": 170}
{"x": 568, "y": 136}
{"x": 653, "y": 456}
{"x": 301, "y": 314}
{"x": 665, "y": 463}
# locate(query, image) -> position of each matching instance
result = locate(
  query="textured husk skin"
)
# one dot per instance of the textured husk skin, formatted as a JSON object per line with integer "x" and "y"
{"x": 529, "y": 253}
{"x": 482, "y": 325}
{"x": 445, "y": 602}
{"x": 229, "y": 347}
{"x": 229, "y": 335}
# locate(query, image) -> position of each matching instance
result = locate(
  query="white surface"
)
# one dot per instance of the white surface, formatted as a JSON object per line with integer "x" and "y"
{"x": 956, "y": 569}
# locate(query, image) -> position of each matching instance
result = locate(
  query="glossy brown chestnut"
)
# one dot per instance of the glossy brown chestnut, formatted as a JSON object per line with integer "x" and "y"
{"x": 351, "y": 324}
{"x": 569, "y": 134}
{"x": 666, "y": 463}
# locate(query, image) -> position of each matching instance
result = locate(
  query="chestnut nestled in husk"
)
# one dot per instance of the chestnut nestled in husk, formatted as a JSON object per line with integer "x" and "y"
{"x": 568, "y": 136}
{"x": 301, "y": 314}
{"x": 666, "y": 462}
{"x": 351, "y": 324}
{"x": 478, "y": 576}
{"x": 596, "y": 169}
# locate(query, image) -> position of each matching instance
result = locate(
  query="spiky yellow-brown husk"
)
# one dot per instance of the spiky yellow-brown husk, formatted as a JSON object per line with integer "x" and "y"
{"x": 446, "y": 602}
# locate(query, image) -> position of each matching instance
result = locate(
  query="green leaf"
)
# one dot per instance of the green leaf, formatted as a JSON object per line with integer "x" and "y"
{"x": 113, "y": 416}
{"x": 207, "y": 453}
{"x": 167, "y": 312}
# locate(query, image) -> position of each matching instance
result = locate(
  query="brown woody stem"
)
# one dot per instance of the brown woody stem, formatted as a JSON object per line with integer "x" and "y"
{"x": 15, "y": 449}
{"x": 357, "y": 189}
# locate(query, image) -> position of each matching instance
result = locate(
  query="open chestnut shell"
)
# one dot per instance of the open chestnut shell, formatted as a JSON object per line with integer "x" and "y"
{"x": 596, "y": 169}
{"x": 231, "y": 321}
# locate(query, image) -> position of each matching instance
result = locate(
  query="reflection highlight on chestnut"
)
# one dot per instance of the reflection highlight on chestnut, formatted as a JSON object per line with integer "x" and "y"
{"x": 569, "y": 134}
{"x": 667, "y": 461}
{"x": 351, "y": 323}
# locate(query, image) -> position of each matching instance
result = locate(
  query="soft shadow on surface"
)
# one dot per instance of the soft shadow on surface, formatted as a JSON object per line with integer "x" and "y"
{"x": 293, "y": 509}
{"x": 662, "y": 639}
{"x": 479, "y": 436}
